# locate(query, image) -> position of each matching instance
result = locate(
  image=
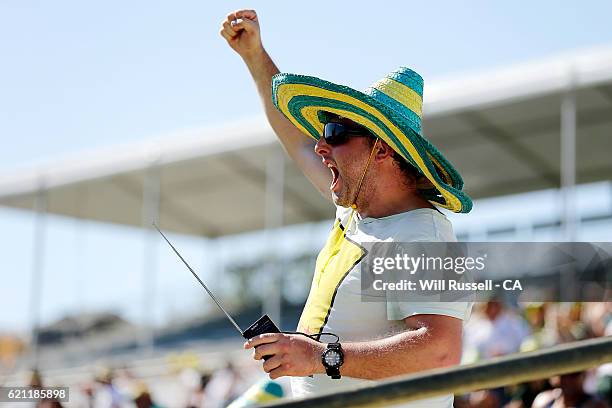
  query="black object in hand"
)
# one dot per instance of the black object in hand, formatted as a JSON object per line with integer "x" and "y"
{"x": 263, "y": 325}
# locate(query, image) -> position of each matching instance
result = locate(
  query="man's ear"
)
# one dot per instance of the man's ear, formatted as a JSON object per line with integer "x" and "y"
{"x": 383, "y": 150}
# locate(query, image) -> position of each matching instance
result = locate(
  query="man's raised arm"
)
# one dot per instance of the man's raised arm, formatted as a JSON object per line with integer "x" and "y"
{"x": 241, "y": 31}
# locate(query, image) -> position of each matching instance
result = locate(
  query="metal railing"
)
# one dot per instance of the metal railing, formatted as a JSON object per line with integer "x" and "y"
{"x": 512, "y": 369}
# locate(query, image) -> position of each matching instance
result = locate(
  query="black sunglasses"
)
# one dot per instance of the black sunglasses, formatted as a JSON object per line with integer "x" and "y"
{"x": 336, "y": 134}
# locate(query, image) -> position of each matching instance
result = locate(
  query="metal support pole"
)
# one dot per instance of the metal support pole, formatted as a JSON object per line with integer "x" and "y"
{"x": 568, "y": 165}
{"x": 568, "y": 185}
{"x": 151, "y": 196}
{"x": 81, "y": 266}
{"x": 217, "y": 267}
{"x": 274, "y": 209}
{"x": 38, "y": 262}
{"x": 212, "y": 265}
{"x": 80, "y": 246}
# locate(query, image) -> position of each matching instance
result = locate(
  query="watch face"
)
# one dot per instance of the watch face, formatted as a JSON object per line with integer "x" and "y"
{"x": 332, "y": 358}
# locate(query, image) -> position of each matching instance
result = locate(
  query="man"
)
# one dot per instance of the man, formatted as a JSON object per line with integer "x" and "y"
{"x": 362, "y": 150}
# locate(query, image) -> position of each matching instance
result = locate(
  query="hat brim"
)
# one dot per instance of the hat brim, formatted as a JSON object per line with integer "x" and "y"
{"x": 301, "y": 99}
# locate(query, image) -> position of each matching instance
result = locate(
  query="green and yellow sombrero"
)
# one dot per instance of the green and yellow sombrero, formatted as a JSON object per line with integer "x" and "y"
{"x": 391, "y": 109}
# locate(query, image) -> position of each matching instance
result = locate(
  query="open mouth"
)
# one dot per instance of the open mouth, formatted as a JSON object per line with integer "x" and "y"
{"x": 335, "y": 176}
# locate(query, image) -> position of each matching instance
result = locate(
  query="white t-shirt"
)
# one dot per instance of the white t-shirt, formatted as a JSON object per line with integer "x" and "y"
{"x": 335, "y": 304}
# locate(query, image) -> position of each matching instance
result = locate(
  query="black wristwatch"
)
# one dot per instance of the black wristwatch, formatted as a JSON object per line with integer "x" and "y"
{"x": 332, "y": 358}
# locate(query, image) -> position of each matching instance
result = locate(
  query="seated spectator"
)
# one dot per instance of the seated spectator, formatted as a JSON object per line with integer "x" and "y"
{"x": 570, "y": 325}
{"x": 569, "y": 392}
{"x": 523, "y": 395}
{"x": 543, "y": 333}
{"x": 500, "y": 332}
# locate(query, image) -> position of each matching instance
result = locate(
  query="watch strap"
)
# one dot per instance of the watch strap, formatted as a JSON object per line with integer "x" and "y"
{"x": 333, "y": 372}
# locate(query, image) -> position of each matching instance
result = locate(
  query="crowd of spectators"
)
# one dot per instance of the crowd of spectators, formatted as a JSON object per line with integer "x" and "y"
{"x": 495, "y": 329}
{"x": 187, "y": 387}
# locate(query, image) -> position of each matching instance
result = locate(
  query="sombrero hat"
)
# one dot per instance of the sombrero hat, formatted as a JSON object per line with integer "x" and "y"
{"x": 391, "y": 109}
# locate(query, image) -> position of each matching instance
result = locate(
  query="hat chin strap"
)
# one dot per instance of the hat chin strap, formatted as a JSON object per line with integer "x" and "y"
{"x": 365, "y": 170}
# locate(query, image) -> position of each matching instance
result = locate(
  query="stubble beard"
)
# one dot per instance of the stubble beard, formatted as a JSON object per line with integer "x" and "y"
{"x": 346, "y": 197}
{"x": 343, "y": 198}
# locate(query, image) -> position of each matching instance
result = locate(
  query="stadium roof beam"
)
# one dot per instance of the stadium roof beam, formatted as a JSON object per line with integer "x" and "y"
{"x": 508, "y": 142}
{"x": 213, "y": 180}
{"x": 259, "y": 176}
{"x": 171, "y": 209}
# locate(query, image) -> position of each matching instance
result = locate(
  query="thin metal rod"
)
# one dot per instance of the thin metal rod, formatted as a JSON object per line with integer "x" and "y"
{"x": 231, "y": 319}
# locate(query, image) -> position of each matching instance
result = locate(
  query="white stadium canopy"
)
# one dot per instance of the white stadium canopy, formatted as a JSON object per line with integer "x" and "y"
{"x": 502, "y": 130}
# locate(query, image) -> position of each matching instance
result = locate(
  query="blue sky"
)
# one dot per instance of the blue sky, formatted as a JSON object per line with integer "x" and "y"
{"x": 81, "y": 75}
{"x": 78, "y": 76}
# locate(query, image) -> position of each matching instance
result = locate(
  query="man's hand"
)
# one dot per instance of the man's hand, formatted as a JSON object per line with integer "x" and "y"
{"x": 292, "y": 354}
{"x": 241, "y": 31}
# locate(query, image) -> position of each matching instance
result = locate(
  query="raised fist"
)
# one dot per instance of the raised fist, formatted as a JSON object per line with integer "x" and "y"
{"x": 241, "y": 31}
